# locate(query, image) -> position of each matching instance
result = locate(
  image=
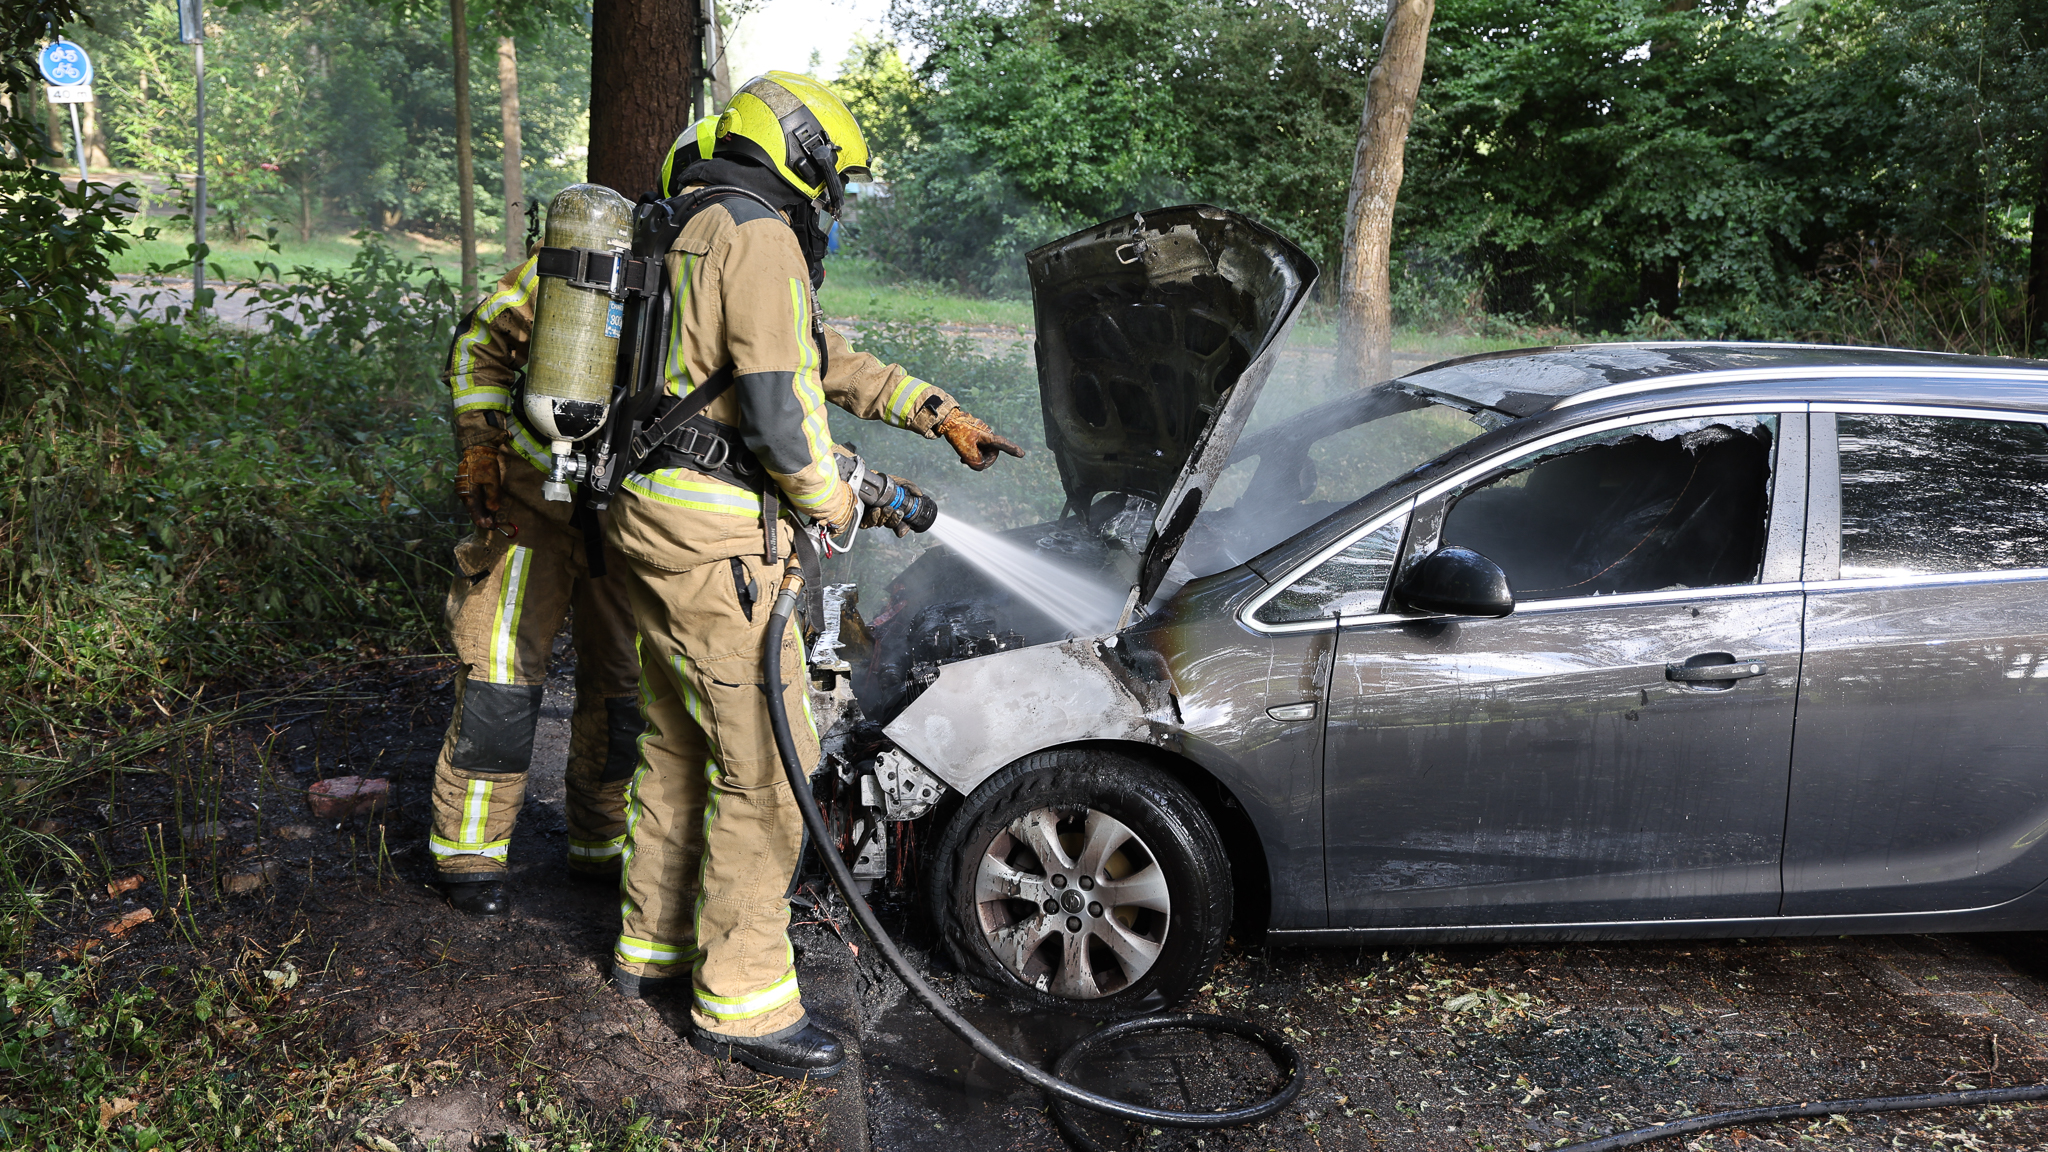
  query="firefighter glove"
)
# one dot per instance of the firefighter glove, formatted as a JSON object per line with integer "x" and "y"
{"x": 974, "y": 440}
{"x": 479, "y": 484}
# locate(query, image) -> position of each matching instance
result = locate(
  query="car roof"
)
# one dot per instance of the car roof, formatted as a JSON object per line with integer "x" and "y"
{"x": 1526, "y": 381}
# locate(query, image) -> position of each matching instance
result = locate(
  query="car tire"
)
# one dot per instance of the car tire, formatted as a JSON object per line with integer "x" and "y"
{"x": 1019, "y": 870}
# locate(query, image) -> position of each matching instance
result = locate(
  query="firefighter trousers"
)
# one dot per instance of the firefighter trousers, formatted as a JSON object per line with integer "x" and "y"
{"x": 712, "y": 829}
{"x": 505, "y": 606}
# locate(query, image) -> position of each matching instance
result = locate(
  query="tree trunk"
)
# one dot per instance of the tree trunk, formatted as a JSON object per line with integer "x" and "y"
{"x": 53, "y": 129}
{"x": 95, "y": 140}
{"x": 465, "y": 162}
{"x": 515, "y": 179}
{"x": 643, "y": 59}
{"x": 305, "y": 207}
{"x": 2035, "y": 341}
{"x": 1365, "y": 317}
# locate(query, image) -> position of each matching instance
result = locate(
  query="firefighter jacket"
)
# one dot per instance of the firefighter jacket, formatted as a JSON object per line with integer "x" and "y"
{"x": 741, "y": 295}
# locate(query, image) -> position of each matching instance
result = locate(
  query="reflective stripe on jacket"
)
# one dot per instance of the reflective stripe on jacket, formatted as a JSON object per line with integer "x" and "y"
{"x": 742, "y": 296}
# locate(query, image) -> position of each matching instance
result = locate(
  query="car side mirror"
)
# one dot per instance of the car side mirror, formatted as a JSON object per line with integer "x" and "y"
{"x": 1458, "y": 582}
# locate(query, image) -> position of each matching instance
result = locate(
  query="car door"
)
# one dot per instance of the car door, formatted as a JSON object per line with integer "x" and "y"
{"x": 1617, "y": 748}
{"x": 1920, "y": 771}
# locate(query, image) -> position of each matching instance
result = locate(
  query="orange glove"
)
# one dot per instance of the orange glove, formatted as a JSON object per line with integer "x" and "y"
{"x": 479, "y": 484}
{"x": 974, "y": 440}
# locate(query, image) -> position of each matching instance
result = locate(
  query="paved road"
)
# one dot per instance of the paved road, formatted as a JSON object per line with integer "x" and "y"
{"x": 155, "y": 298}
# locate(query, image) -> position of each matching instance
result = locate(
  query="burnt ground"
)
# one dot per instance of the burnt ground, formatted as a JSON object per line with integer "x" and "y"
{"x": 458, "y": 1027}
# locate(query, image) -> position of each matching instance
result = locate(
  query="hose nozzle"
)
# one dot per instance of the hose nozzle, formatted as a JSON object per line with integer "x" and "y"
{"x": 896, "y": 501}
{"x": 916, "y": 509}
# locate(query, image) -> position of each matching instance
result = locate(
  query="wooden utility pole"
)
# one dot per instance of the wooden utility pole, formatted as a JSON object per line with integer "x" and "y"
{"x": 515, "y": 176}
{"x": 1365, "y": 316}
{"x": 643, "y": 67}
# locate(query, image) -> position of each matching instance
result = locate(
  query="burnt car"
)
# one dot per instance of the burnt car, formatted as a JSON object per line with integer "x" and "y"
{"x": 1572, "y": 643}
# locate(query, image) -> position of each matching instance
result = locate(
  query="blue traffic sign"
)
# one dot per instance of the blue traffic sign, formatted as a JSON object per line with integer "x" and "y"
{"x": 65, "y": 63}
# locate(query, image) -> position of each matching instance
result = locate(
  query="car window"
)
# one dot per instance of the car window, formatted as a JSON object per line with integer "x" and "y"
{"x": 1650, "y": 507}
{"x": 1926, "y": 495}
{"x": 1296, "y": 465}
{"x": 1351, "y": 583}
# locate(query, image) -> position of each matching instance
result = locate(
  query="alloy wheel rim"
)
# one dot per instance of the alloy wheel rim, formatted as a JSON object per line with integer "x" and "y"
{"x": 1072, "y": 902}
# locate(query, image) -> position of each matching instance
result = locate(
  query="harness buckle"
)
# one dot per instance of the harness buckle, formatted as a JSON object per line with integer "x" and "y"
{"x": 711, "y": 452}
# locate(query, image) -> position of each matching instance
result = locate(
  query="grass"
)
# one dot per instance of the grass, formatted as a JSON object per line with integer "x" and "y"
{"x": 856, "y": 288}
{"x": 330, "y": 253}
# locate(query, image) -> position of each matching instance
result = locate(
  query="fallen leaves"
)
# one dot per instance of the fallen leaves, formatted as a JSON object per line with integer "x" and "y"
{"x": 121, "y": 925}
{"x": 111, "y": 1110}
{"x": 115, "y": 888}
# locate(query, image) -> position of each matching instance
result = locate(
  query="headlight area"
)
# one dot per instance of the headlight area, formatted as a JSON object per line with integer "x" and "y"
{"x": 868, "y": 790}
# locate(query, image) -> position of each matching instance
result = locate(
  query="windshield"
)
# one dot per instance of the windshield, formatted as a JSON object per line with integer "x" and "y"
{"x": 1307, "y": 453}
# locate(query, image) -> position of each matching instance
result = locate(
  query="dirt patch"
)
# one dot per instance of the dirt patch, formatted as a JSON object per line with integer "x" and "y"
{"x": 465, "y": 1028}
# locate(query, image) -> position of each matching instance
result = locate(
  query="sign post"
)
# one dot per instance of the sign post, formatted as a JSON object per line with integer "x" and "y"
{"x": 191, "y": 32}
{"x": 68, "y": 71}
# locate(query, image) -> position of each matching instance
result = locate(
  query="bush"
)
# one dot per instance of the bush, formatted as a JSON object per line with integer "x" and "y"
{"x": 187, "y": 494}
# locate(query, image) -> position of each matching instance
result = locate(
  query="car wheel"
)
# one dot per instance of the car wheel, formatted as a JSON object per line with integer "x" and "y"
{"x": 1083, "y": 880}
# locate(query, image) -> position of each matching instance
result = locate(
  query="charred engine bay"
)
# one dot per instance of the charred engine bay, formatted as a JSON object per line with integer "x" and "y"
{"x": 945, "y": 607}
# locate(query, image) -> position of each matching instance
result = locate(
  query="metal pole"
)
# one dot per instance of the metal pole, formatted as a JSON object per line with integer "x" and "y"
{"x": 199, "y": 180}
{"x": 78, "y": 138}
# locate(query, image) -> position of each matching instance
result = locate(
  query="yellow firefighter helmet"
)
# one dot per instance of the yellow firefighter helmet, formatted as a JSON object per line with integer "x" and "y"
{"x": 790, "y": 123}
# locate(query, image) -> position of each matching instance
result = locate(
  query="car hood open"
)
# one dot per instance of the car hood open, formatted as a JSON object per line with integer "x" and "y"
{"x": 1155, "y": 334}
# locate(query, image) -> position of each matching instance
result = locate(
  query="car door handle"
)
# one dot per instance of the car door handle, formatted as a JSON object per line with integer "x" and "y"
{"x": 1713, "y": 673}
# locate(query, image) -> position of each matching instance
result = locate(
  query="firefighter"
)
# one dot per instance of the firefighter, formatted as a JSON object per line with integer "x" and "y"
{"x": 713, "y": 832}
{"x": 526, "y": 566}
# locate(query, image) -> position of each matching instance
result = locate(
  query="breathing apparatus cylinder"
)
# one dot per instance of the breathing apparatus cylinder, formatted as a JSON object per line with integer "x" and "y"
{"x": 576, "y": 323}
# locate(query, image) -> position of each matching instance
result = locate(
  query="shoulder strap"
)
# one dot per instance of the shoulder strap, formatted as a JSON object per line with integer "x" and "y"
{"x": 657, "y": 432}
{"x": 613, "y": 273}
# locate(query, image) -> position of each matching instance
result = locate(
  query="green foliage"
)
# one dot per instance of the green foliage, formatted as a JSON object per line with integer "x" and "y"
{"x": 883, "y": 95}
{"x": 1690, "y": 169}
{"x": 86, "y": 1064}
{"x": 1703, "y": 168}
{"x": 184, "y": 497}
{"x": 1595, "y": 155}
{"x": 56, "y": 244}
{"x": 1036, "y": 119}
{"x": 27, "y": 29}
{"x": 320, "y": 108}
{"x": 1033, "y": 125}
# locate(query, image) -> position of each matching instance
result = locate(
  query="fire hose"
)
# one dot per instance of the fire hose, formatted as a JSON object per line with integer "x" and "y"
{"x": 1284, "y": 1057}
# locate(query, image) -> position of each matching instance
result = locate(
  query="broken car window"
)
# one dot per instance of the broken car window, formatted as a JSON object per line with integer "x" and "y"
{"x": 1300, "y": 462}
{"x": 1927, "y": 495}
{"x": 1672, "y": 504}
{"x": 1351, "y": 583}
